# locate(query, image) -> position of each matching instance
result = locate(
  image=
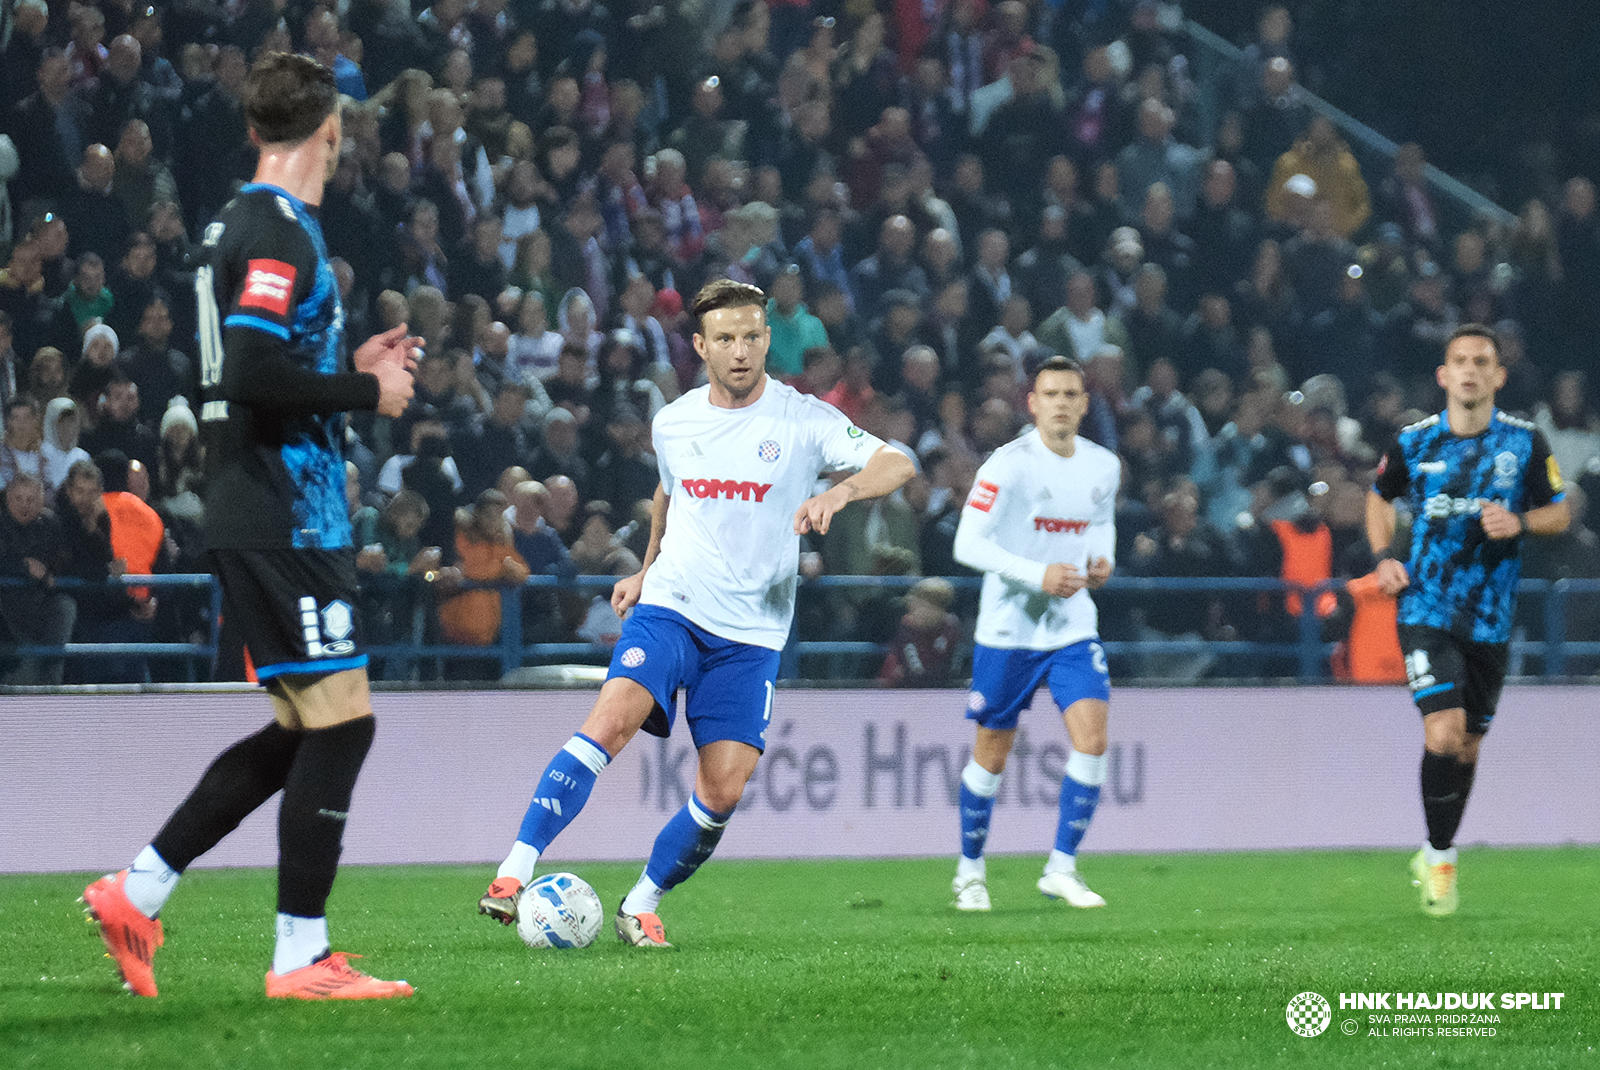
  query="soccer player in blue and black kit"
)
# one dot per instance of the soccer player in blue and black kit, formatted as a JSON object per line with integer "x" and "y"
{"x": 1477, "y": 482}
{"x": 274, "y": 392}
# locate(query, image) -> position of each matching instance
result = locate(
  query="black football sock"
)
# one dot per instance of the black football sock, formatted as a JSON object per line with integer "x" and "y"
{"x": 316, "y": 804}
{"x": 241, "y": 778}
{"x": 1443, "y": 798}
{"x": 1464, "y": 774}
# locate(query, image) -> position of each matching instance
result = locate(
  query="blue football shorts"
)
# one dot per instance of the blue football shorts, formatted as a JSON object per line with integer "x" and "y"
{"x": 729, "y": 684}
{"x": 1004, "y": 681}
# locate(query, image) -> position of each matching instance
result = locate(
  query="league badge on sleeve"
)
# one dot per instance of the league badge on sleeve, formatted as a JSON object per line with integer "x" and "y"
{"x": 983, "y": 495}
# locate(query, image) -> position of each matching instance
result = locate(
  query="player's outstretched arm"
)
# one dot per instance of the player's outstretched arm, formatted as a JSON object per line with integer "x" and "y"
{"x": 885, "y": 472}
{"x": 625, "y": 594}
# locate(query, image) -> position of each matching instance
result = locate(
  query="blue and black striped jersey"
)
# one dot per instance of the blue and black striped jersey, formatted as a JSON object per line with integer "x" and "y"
{"x": 272, "y": 382}
{"x": 1462, "y": 581}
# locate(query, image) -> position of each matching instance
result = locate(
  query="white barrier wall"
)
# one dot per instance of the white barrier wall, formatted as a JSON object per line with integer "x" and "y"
{"x": 87, "y": 780}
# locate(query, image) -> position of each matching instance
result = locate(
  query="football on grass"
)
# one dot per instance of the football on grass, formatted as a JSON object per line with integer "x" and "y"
{"x": 559, "y": 910}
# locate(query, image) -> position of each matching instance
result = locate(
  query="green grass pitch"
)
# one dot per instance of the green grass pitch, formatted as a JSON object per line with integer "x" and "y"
{"x": 839, "y": 964}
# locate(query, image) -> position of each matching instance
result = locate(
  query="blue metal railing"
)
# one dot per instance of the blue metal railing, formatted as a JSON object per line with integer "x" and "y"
{"x": 1554, "y": 649}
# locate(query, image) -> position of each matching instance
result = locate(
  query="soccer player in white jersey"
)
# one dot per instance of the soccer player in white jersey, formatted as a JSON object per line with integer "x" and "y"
{"x": 739, "y": 461}
{"x": 1039, "y": 524}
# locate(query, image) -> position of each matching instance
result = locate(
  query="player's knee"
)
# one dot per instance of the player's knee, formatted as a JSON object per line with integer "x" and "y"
{"x": 1446, "y": 739}
{"x": 618, "y": 714}
{"x": 1091, "y": 743}
{"x": 721, "y": 794}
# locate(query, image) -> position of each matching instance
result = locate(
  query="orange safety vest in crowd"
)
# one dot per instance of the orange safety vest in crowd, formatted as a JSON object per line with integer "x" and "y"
{"x": 1372, "y": 653}
{"x": 136, "y": 534}
{"x": 1307, "y": 561}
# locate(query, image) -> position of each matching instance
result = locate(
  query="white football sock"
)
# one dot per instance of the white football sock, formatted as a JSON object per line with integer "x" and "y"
{"x": 967, "y": 868}
{"x": 1061, "y": 862}
{"x": 1435, "y": 857}
{"x": 301, "y": 941}
{"x": 645, "y": 898}
{"x": 149, "y": 882}
{"x": 520, "y": 862}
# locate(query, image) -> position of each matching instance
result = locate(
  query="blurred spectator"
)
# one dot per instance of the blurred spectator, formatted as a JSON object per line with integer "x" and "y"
{"x": 31, "y": 556}
{"x": 534, "y": 348}
{"x": 492, "y": 441}
{"x": 1271, "y": 123}
{"x": 23, "y": 439}
{"x": 107, "y": 611}
{"x": 1569, "y": 421}
{"x": 794, "y": 329}
{"x": 395, "y": 566}
{"x": 625, "y": 472}
{"x": 118, "y": 426}
{"x": 50, "y": 129}
{"x": 1211, "y": 343}
{"x": 923, "y": 650}
{"x": 1155, "y": 330}
{"x": 95, "y": 370}
{"x": 162, "y": 372}
{"x": 47, "y": 375}
{"x": 140, "y": 179}
{"x": 179, "y": 473}
{"x": 1181, "y": 545}
{"x": 1156, "y": 156}
{"x": 485, "y": 554}
{"x": 59, "y": 450}
{"x": 99, "y": 222}
{"x": 891, "y": 267}
{"x": 545, "y": 555}
{"x": 1404, "y": 199}
{"x": 134, "y": 284}
{"x": 1578, "y": 245}
{"x": 87, "y": 301}
{"x": 1322, "y": 157}
{"x": 1167, "y": 247}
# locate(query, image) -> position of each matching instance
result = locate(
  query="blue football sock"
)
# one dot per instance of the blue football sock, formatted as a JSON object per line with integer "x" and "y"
{"x": 684, "y": 843}
{"x": 1080, "y": 794}
{"x": 562, "y": 790}
{"x": 978, "y": 789}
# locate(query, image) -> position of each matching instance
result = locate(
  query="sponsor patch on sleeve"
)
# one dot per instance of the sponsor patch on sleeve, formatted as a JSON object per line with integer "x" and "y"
{"x": 267, "y": 286}
{"x": 983, "y": 495}
{"x": 1554, "y": 471}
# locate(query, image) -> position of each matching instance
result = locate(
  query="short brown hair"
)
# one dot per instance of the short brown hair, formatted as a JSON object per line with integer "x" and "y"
{"x": 726, "y": 293}
{"x": 1472, "y": 330}
{"x": 1056, "y": 363}
{"x": 287, "y": 97}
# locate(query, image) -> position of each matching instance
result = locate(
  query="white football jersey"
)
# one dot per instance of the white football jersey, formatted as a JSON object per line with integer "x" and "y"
{"x": 729, "y": 558}
{"x": 1030, "y": 508}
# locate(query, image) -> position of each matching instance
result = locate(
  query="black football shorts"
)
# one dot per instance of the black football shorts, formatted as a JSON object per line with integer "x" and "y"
{"x": 295, "y": 608}
{"x": 1446, "y": 671}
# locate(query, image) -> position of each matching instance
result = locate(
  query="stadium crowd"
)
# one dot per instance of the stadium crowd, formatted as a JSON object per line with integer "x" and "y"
{"x": 934, "y": 195}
